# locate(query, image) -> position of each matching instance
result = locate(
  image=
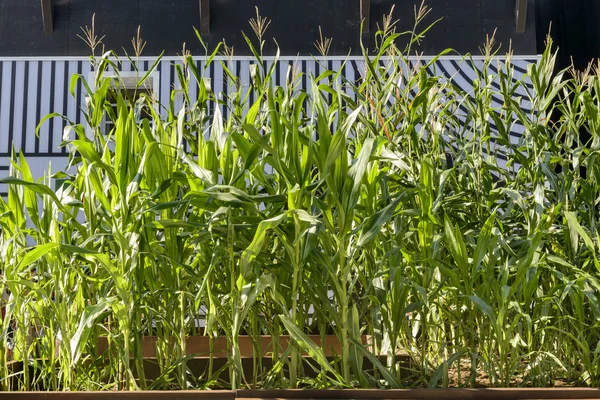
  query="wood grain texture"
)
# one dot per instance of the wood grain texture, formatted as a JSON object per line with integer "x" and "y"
{"x": 111, "y": 395}
{"x": 425, "y": 394}
{"x": 204, "y": 17}
{"x": 203, "y": 346}
{"x": 365, "y": 15}
{"x": 47, "y": 19}
{"x": 521, "y": 15}
{"x": 366, "y": 394}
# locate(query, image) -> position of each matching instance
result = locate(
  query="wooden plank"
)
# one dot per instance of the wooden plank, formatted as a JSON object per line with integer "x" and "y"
{"x": 204, "y": 17}
{"x": 365, "y": 14}
{"x": 47, "y": 16}
{"x": 521, "y": 15}
{"x": 422, "y": 394}
{"x": 133, "y": 395}
{"x": 204, "y": 347}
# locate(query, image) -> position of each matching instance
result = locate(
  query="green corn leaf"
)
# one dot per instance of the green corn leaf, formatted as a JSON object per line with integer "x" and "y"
{"x": 84, "y": 328}
{"x": 308, "y": 345}
{"x": 36, "y": 253}
{"x": 384, "y": 371}
{"x": 458, "y": 250}
{"x": 433, "y": 382}
{"x": 483, "y": 241}
{"x": 576, "y": 229}
{"x": 373, "y": 225}
{"x": 484, "y": 307}
{"x": 255, "y": 246}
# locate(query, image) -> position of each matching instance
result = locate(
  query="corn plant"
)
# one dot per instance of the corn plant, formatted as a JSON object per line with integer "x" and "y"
{"x": 397, "y": 209}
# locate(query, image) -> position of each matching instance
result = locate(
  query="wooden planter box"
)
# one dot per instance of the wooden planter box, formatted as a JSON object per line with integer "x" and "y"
{"x": 201, "y": 357}
{"x": 424, "y": 394}
{"x": 200, "y": 346}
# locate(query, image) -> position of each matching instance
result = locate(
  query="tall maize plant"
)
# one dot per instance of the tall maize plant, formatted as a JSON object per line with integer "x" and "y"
{"x": 396, "y": 209}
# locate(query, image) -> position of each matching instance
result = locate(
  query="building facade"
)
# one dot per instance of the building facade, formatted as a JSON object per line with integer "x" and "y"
{"x": 462, "y": 25}
{"x": 40, "y": 50}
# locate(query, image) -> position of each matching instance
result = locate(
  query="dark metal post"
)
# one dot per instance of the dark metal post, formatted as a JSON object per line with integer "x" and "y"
{"x": 521, "y": 15}
{"x": 47, "y": 16}
{"x": 204, "y": 18}
{"x": 365, "y": 14}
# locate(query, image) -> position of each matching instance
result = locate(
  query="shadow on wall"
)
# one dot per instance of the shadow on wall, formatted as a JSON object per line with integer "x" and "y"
{"x": 166, "y": 24}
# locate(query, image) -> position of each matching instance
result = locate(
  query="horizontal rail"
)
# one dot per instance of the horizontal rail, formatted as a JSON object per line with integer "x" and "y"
{"x": 366, "y": 394}
{"x": 111, "y": 395}
{"x": 271, "y": 58}
{"x": 425, "y": 394}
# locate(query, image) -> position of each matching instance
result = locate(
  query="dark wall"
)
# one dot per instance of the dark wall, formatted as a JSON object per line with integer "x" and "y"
{"x": 166, "y": 24}
{"x": 575, "y": 29}
{"x": 464, "y": 24}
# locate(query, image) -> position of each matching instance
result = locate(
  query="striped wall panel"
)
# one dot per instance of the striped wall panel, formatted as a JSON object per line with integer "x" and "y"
{"x": 30, "y": 88}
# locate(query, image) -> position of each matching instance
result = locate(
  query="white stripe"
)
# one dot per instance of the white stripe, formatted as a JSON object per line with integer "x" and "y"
{"x": 350, "y": 79}
{"x": 165, "y": 87}
{"x": 244, "y": 75}
{"x": 283, "y": 67}
{"x": 125, "y": 65}
{"x": 18, "y": 110}
{"x": 193, "y": 88}
{"x": 5, "y": 103}
{"x": 32, "y": 99}
{"x": 217, "y": 82}
{"x": 45, "y": 104}
{"x": 227, "y": 85}
{"x": 59, "y": 85}
{"x": 71, "y": 101}
{"x": 270, "y": 58}
{"x": 310, "y": 72}
{"x": 86, "y": 71}
{"x": 175, "y": 83}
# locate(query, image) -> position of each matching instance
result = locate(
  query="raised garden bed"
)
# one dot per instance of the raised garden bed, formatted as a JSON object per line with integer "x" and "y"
{"x": 204, "y": 347}
{"x": 370, "y": 208}
{"x": 205, "y": 353}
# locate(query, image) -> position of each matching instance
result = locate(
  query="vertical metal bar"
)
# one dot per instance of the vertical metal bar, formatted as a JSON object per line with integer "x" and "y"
{"x": 47, "y": 16}
{"x": 204, "y": 17}
{"x": 521, "y": 15}
{"x": 365, "y": 15}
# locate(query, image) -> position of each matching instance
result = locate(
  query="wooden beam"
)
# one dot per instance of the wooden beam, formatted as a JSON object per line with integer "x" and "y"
{"x": 204, "y": 17}
{"x": 521, "y": 15}
{"x": 365, "y": 15}
{"x": 47, "y": 17}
